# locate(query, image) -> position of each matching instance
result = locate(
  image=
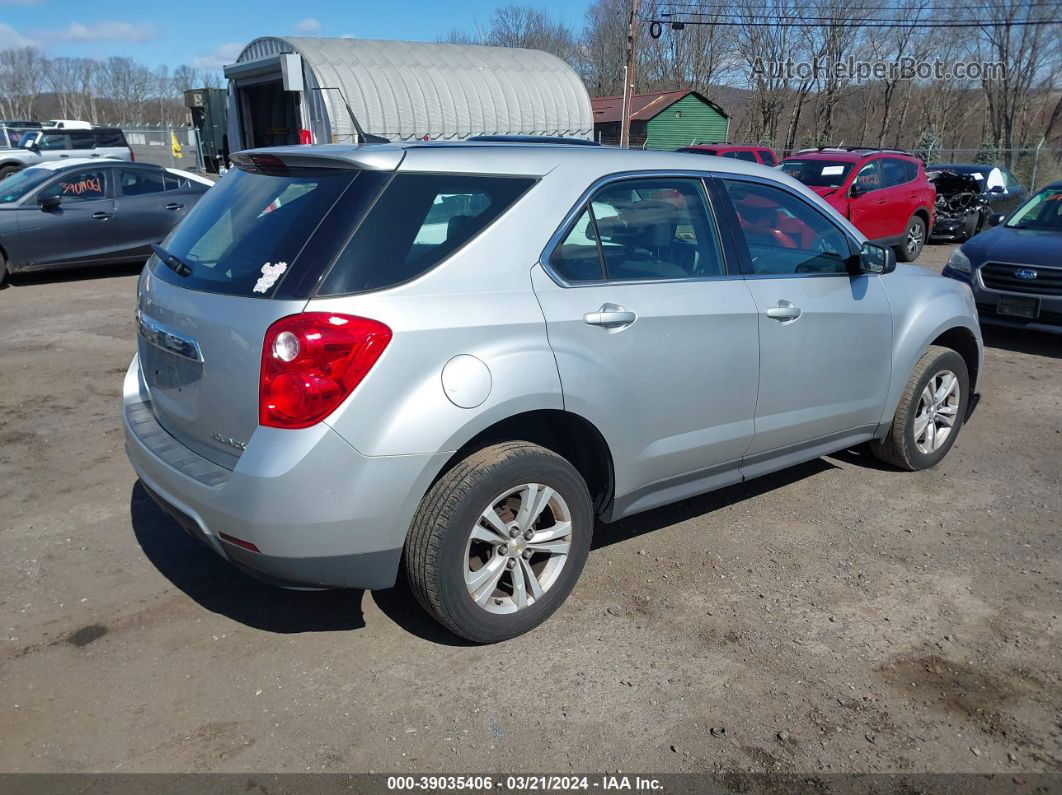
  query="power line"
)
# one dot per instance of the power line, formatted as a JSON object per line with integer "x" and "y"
{"x": 817, "y": 22}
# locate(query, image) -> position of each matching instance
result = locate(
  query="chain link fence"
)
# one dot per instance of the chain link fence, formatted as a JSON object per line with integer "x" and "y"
{"x": 169, "y": 147}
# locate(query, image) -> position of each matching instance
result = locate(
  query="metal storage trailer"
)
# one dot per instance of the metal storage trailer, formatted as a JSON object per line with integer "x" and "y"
{"x": 286, "y": 90}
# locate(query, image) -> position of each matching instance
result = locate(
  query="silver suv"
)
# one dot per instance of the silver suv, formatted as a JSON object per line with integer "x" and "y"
{"x": 453, "y": 358}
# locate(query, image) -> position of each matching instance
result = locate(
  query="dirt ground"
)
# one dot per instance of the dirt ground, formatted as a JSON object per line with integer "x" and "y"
{"x": 840, "y": 616}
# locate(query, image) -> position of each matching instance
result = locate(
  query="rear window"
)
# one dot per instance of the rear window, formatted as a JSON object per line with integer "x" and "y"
{"x": 419, "y": 221}
{"x": 246, "y": 233}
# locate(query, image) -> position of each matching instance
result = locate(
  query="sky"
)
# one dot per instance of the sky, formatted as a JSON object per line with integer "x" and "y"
{"x": 210, "y": 33}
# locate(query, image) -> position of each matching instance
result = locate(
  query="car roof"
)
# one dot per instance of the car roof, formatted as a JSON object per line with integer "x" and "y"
{"x": 537, "y": 159}
{"x": 727, "y": 146}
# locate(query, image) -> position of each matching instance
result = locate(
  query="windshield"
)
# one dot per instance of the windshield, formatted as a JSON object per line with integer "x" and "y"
{"x": 1043, "y": 211}
{"x": 247, "y": 231}
{"x": 817, "y": 173}
{"x": 15, "y": 187}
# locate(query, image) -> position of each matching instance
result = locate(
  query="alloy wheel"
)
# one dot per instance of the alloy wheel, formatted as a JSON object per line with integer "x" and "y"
{"x": 938, "y": 410}
{"x": 517, "y": 548}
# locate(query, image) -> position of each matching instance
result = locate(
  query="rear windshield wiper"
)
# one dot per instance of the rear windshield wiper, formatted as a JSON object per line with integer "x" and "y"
{"x": 172, "y": 261}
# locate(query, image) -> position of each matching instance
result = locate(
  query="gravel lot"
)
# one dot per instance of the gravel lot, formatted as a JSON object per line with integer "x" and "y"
{"x": 837, "y": 617}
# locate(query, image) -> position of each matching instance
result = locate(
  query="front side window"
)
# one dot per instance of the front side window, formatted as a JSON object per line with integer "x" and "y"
{"x": 79, "y": 186}
{"x": 52, "y": 141}
{"x": 643, "y": 229}
{"x": 140, "y": 181}
{"x": 869, "y": 177}
{"x": 747, "y": 156}
{"x": 418, "y": 221}
{"x": 784, "y": 234}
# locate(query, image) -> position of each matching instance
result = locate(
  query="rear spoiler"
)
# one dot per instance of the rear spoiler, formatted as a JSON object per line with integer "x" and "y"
{"x": 372, "y": 157}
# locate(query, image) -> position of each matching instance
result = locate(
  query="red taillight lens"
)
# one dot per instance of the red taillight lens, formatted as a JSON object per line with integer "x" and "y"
{"x": 305, "y": 137}
{"x": 312, "y": 362}
{"x": 132, "y": 154}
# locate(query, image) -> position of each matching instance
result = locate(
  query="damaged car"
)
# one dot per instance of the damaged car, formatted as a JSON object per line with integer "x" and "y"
{"x": 967, "y": 194}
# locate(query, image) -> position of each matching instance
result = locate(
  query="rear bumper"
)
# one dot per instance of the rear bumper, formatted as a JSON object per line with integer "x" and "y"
{"x": 319, "y": 513}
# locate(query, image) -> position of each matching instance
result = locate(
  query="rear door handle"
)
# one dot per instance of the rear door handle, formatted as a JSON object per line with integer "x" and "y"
{"x": 101, "y": 216}
{"x": 610, "y": 316}
{"x": 785, "y": 310}
{"x": 174, "y": 206}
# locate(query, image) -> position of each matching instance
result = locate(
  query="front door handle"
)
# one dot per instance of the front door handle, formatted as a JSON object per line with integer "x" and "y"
{"x": 101, "y": 216}
{"x": 174, "y": 206}
{"x": 610, "y": 316}
{"x": 785, "y": 310}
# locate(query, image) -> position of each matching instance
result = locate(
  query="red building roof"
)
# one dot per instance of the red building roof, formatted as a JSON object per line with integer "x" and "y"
{"x": 643, "y": 106}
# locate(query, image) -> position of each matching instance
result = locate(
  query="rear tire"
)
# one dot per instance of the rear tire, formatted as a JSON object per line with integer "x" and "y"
{"x": 476, "y": 555}
{"x": 914, "y": 238}
{"x": 911, "y": 443}
{"x": 7, "y": 171}
{"x": 3, "y": 272}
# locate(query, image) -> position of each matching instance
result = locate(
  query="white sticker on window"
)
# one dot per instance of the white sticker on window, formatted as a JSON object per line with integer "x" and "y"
{"x": 828, "y": 171}
{"x": 270, "y": 274}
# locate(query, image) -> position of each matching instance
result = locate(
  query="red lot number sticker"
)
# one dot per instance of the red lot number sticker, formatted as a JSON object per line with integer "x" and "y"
{"x": 86, "y": 186}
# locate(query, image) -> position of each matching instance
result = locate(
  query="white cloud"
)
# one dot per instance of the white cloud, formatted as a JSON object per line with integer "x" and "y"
{"x": 221, "y": 55}
{"x": 12, "y": 39}
{"x": 309, "y": 25}
{"x": 102, "y": 31}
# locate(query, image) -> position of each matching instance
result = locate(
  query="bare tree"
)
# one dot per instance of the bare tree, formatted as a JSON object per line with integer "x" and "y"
{"x": 21, "y": 80}
{"x": 1015, "y": 34}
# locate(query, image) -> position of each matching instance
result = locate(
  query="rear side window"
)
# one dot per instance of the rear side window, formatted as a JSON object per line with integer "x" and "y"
{"x": 82, "y": 140}
{"x": 109, "y": 138}
{"x": 245, "y": 235}
{"x": 140, "y": 181}
{"x": 744, "y": 155}
{"x": 418, "y": 221}
{"x": 897, "y": 172}
{"x": 767, "y": 157}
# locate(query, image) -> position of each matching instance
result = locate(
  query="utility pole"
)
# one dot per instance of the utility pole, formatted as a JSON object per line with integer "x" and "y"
{"x": 629, "y": 75}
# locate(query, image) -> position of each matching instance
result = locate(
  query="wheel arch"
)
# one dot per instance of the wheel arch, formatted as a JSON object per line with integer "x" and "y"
{"x": 961, "y": 340}
{"x": 567, "y": 434}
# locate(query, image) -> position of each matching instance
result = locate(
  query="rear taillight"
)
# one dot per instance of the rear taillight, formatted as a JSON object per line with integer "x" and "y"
{"x": 312, "y": 362}
{"x": 132, "y": 154}
{"x": 305, "y": 137}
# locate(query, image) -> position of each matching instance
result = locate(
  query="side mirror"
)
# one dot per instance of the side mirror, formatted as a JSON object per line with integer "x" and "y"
{"x": 997, "y": 189}
{"x": 856, "y": 190}
{"x": 876, "y": 259}
{"x": 49, "y": 202}
{"x": 995, "y": 219}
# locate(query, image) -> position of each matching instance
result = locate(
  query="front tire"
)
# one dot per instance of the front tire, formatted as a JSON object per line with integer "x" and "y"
{"x": 930, "y": 414}
{"x": 7, "y": 171}
{"x": 914, "y": 238}
{"x": 499, "y": 541}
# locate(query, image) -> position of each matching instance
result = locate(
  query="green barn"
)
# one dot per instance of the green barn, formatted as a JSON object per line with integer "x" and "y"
{"x": 664, "y": 120}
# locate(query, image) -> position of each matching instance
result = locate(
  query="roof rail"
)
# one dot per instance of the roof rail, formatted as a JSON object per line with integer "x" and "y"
{"x": 532, "y": 139}
{"x": 858, "y": 149}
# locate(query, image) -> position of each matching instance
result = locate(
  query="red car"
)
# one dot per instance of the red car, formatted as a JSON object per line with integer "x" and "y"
{"x": 753, "y": 154}
{"x": 883, "y": 192}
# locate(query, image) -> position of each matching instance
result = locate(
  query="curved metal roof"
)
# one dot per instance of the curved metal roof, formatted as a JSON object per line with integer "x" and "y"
{"x": 403, "y": 90}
